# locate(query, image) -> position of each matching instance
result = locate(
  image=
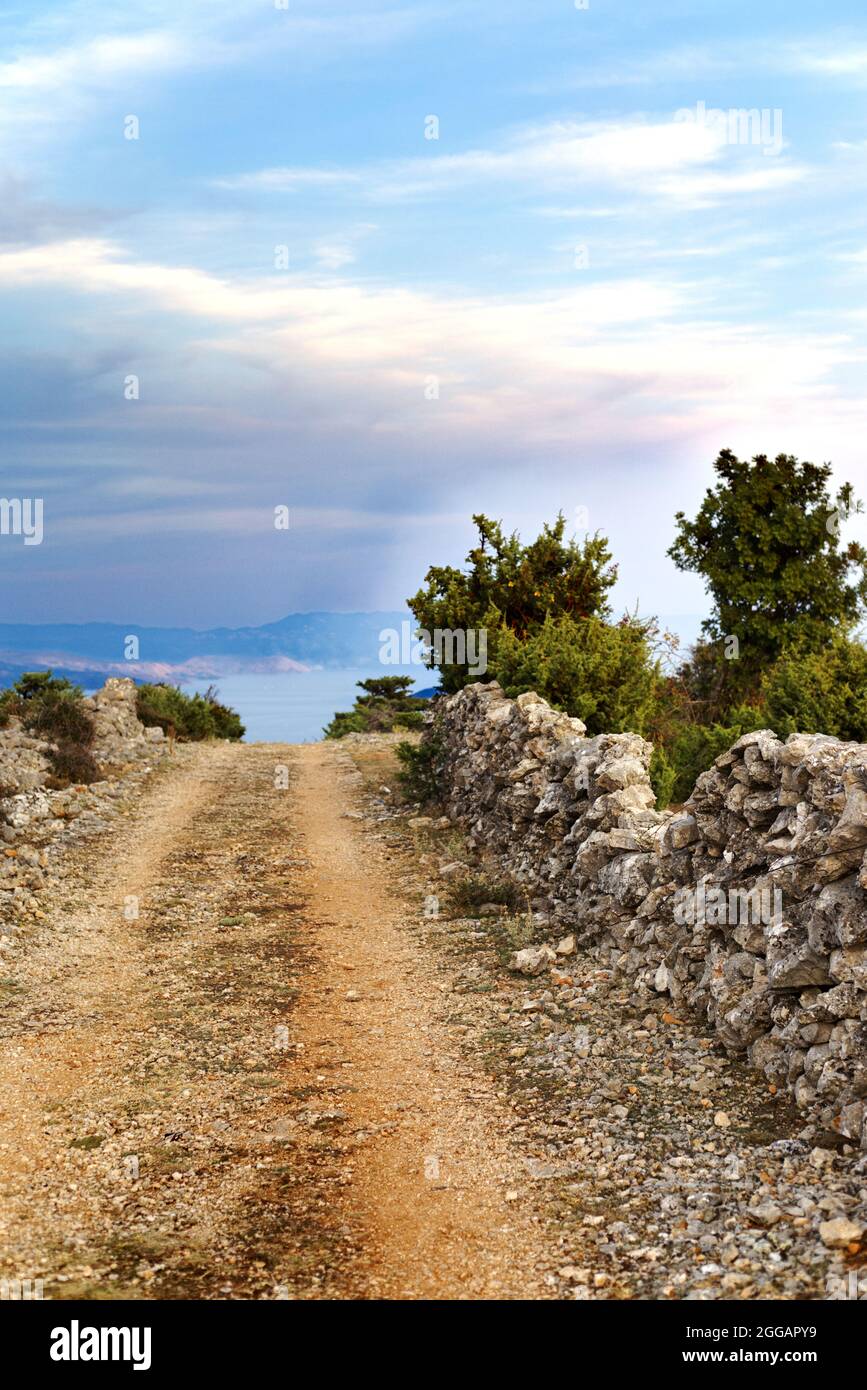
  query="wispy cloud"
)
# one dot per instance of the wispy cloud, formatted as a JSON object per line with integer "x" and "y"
{"x": 92, "y": 61}
{"x": 291, "y": 180}
{"x": 835, "y": 54}
{"x": 849, "y": 59}
{"x": 543, "y": 369}
{"x": 686, "y": 62}
{"x": 434, "y": 308}
{"x": 667, "y": 158}
{"x": 80, "y": 54}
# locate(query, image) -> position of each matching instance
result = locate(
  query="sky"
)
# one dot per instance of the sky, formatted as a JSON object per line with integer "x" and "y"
{"x": 387, "y": 265}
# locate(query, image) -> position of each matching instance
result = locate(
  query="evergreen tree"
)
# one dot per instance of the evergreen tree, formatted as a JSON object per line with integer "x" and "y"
{"x": 767, "y": 541}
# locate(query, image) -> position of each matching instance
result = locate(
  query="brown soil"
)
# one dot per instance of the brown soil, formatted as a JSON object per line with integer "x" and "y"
{"x": 253, "y": 1089}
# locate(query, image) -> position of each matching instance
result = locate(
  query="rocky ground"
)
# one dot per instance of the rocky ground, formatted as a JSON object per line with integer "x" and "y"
{"x": 674, "y": 1170}
{"x": 40, "y": 824}
{"x": 257, "y": 1043}
{"x": 748, "y": 908}
{"x": 223, "y": 1074}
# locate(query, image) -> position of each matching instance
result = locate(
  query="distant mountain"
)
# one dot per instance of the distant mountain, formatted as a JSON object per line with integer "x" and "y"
{"x": 86, "y": 677}
{"x": 300, "y": 641}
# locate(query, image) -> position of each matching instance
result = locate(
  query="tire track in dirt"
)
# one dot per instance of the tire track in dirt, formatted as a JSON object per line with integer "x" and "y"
{"x": 428, "y": 1191}
{"x": 250, "y": 1090}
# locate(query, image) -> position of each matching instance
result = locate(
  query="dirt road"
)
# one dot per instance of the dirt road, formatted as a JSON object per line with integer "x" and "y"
{"x": 227, "y": 1069}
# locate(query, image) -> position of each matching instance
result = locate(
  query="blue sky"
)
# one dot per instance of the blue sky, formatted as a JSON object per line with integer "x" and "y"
{"x": 572, "y": 298}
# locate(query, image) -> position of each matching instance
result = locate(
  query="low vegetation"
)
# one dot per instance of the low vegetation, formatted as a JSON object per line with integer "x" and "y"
{"x": 475, "y": 891}
{"x": 780, "y": 650}
{"x": 189, "y": 718}
{"x": 385, "y": 706}
{"x": 418, "y": 777}
{"x": 52, "y": 708}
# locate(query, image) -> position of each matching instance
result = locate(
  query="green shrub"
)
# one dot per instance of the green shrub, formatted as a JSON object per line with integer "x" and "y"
{"x": 347, "y": 722}
{"x": 819, "y": 692}
{"x": 190, "y": 718}
{"x": 71, "y": 762}
{"x": 602, "y": 673}
{"x": 36, "y": 685}
{"x": 693, "y": 748}
{"x": 805, "y": 691}
{"x": 52, "y": 709}
{"x": 385, "y": 706}
{"x": 470, "y": 893}
{"x": 513, "y": 586}
{"x": 663, "y": 777}
{"x": 419, "y": 774}
{"x": 226, "y": 721}
{"x": 33, "y": 690}
{"x": 59, "y": 717}
{"x": 777, "y": 651}
{"x": 767, "y": 541}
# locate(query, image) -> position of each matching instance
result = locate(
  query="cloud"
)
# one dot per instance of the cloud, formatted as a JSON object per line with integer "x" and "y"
{"x": 80, "y": 54}
{"x": 347, "y": 364}
{"x": 849, "y": 60}
{"x": 26, "y": 218}
{"x": 839, "y": 55}
{"x": 43, "y": 94}
{"x": 685, "y": 63}
{"x": 92, "y": 62}
{"x": 344, "y": 319}
{"x": 673, "y": 159}
{"x": 288, "y": 180}
{"x": 699, "y": 190}
{"x": 334, "y": 255}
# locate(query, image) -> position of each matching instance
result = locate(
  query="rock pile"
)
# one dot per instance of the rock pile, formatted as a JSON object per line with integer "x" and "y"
{"x": 120, "y": 737}
{"x": 749, "y": 906}
{"x": 38, "y": 822}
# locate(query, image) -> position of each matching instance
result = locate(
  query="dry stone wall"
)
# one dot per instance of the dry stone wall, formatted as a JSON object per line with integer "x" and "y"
{"x": 749, "y": 905}
{"x": 38, "y": 821}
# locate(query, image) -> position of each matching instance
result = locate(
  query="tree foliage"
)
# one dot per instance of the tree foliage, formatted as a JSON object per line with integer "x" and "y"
{"x": 386, "y": 705}
{"x": 766, "y": 539}
{"x": 602, "y": 673}
{"x": 819, "y": 691}
{"x": 190, "y": 718}
{"x": 544, "y": 610}
{"x": 778, "y": 651}
{"x": 514, "y": 586}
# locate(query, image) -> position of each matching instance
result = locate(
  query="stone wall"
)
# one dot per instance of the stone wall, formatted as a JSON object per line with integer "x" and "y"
{"x": 119, "y": 738}
{"x": 37, "y": 821}
{"x": 749, "y": 905}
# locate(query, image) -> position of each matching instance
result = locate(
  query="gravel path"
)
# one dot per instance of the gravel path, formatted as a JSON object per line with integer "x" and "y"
{"x": 243, "y": 1092}
{"x": 239, "y": 1062}
{"x": 670, "y": 1170}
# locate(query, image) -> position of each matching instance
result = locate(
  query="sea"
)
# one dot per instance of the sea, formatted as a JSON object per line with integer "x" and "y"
{"x": 294, "y": 707}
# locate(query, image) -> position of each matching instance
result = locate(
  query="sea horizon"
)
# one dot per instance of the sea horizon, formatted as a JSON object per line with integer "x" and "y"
{"x": 295, "y": 706}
